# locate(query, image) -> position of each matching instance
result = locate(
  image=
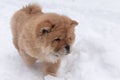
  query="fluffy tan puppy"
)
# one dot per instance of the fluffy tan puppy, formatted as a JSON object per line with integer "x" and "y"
{"x": 47, "y": 37}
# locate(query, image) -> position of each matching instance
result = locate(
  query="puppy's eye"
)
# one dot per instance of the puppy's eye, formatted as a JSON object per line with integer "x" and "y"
{"x": 57, "y": 39}
{"x": 44, "y": 31}
{"x": 53, "y": 26}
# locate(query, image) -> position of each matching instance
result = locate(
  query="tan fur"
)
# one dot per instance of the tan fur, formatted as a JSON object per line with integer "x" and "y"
{"x": 42, "y": 36}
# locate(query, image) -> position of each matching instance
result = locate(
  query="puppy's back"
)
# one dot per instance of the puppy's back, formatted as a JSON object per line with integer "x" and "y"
{"x": 21, "y": 17}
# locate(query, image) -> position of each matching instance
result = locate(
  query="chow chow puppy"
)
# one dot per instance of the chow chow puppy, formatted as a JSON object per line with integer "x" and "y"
{"x": 47, "y": 37}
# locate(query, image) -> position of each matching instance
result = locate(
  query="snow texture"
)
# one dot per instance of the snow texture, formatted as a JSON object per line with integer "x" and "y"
{"x": 96, "y": 52}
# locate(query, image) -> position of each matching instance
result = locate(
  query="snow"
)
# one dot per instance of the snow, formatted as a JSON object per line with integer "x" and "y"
{"x": 96, "y": 52}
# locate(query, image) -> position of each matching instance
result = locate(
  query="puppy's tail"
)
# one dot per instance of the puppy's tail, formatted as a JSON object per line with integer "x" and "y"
{"x": 32, "y": 9}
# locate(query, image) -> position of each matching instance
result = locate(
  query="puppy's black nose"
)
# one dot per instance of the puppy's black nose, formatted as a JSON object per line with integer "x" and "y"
{"x": 67, "y": 47}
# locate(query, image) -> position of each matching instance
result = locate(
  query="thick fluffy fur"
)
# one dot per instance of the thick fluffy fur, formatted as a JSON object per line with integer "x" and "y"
{"x": 42, "y": 36}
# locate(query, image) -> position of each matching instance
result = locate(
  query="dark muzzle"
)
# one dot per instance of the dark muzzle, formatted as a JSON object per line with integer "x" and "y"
{"x": 67, "y": 47}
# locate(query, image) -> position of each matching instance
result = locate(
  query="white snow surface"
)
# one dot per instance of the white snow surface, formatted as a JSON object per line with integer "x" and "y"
{"x": 96, "y": 52}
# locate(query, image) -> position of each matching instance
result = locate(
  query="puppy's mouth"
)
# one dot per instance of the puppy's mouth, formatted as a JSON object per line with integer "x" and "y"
{"x": 57, "y": 55}
{"x": 61, "y": 54}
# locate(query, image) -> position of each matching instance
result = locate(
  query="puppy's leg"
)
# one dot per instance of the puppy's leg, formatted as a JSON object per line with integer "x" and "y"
{"x": 27, "y": 59}
{"x": 51, "y": 68}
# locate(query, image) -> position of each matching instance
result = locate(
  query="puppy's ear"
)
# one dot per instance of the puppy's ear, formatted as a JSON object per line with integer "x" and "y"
{"x": 44, "y": 30}
{"x": 74, "y": 23}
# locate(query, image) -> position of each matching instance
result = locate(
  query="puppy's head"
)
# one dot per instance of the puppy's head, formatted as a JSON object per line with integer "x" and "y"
{"x": 56, "y": 33}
